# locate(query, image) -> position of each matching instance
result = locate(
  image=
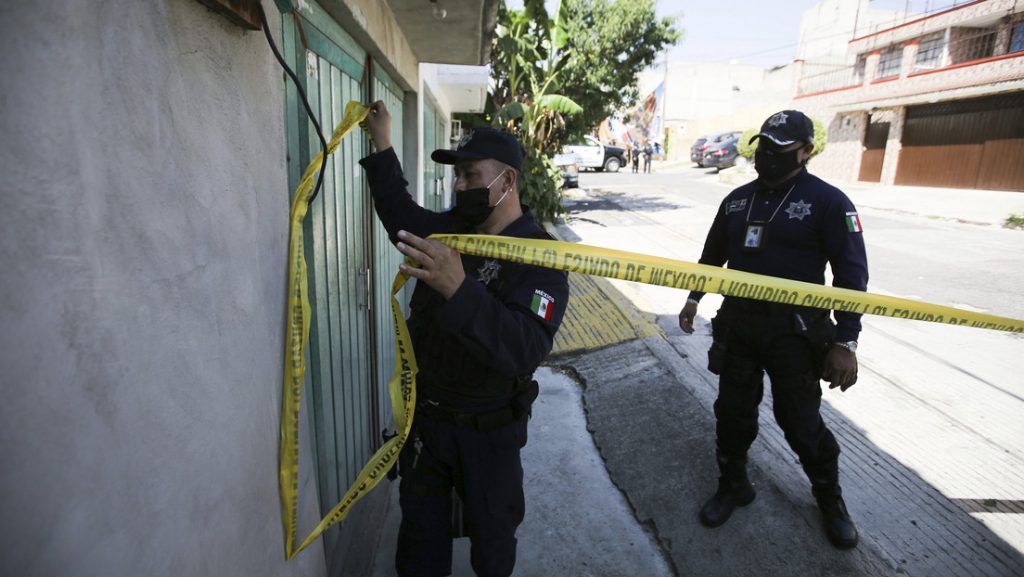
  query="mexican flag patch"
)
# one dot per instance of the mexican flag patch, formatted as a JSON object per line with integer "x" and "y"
{"x": 543, "y": 304}
{"x": 853, "y": 222}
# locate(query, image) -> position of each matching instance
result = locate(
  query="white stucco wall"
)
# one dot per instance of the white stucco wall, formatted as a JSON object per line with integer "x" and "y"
{"x": 143, "y": 218}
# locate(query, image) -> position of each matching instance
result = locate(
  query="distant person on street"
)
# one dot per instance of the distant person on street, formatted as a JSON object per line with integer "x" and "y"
{"x": 636, "y": 158}
{"x": 647, "y": 157}
{"x": 785, "y": 224}
{"x": 479, "y": 329}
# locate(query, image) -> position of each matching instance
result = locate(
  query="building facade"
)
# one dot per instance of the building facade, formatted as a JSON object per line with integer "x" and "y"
{"x": 149, "y": 156}
{"x": 930, "y": 100}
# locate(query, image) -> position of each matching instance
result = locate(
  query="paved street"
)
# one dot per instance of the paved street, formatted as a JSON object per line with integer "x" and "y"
{"x": 932, "y": 433}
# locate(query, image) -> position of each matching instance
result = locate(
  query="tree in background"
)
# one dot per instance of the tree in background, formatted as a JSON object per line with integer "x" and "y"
{"x": 610, "y": 42}
{"x": 561, "y": 76}
{"x": 528, "y": 56}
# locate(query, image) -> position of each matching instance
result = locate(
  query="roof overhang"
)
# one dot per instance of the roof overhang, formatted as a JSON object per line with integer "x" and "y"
{"x": 464, "y": 87}
{"x": 462, "y": 36}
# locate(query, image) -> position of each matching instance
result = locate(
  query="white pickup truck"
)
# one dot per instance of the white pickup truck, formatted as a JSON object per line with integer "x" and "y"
{"x": 597, "y": 156}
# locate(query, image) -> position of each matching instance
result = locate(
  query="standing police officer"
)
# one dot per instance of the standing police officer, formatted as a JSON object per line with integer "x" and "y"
{"x": 479, "y": 328}
{"x": 786, "y": 224}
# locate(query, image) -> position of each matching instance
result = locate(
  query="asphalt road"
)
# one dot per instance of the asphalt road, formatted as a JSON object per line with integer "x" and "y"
{"x": 933, "y": 462}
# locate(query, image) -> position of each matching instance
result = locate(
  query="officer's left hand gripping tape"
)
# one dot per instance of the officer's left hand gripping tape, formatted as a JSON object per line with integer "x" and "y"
{"x": 551, "y": 254}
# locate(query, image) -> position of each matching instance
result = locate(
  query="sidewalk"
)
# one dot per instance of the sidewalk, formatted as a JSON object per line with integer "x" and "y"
{"x": 577, "y": 522}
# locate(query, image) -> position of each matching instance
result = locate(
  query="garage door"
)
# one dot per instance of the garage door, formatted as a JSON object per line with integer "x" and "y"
{"x": 976, "y": 143}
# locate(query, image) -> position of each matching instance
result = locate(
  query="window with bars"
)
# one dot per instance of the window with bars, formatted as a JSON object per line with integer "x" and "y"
{"x": 1017, "y": 38}
{"x": 890, "y": 61}
{"x": 932, "y": 52}
{"x": 968, "y": 44}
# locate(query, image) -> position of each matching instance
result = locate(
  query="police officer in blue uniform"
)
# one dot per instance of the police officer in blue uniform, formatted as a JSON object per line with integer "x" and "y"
{"x": 479, "y": 328}
{"x": 789, "y": 224}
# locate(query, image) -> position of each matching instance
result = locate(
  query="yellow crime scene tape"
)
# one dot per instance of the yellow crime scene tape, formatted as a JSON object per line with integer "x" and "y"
{"x": 402, "y": 385}
{"x": 591, "y": 260}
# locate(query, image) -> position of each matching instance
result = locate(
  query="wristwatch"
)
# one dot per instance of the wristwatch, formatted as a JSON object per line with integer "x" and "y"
{"x": 848, "y": 345}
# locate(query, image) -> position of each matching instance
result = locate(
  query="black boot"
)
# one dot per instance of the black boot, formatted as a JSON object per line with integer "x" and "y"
{"x": 734, "y": 490}
{"x": 839, "y": 528}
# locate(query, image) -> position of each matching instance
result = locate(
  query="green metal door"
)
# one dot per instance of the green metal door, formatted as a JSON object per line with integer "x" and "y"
{"x": 434, "y": 193}
{"x": 386, "y": 256}
{"x": 340, "y": 375}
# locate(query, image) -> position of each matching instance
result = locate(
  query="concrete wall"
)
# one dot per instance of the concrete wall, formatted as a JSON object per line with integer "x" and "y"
{"x": 144, "y": 220}
{"x": 842, "y": 155}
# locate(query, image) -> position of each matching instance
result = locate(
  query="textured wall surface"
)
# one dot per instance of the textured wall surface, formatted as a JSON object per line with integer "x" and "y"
{"x": 143, "y": 220}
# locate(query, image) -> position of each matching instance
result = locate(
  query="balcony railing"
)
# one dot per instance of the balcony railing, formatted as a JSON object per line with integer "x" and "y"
{"x": 951, "y": 47}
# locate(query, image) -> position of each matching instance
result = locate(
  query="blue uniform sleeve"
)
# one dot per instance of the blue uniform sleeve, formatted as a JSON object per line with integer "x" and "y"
{"x": 395, "y": 207}
{"x": 843, "y": 242}
{"x": 716, "y": 246}
{"x": 515, "y": 333}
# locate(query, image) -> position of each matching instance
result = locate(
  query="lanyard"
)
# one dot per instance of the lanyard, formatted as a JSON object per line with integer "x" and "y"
{"x": 753, "y": 199}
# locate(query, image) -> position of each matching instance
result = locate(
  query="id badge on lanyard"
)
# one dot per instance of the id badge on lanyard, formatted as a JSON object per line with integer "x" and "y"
{"x": 753, "y": 240}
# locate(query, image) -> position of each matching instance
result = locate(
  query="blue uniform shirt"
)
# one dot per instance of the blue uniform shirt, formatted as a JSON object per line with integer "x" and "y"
{"x": 814, "y": 224}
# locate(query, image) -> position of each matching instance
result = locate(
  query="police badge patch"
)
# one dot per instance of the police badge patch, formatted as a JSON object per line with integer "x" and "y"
{"x": 777, "y": 119}
{"x": 798, "y": 210}
{"x": 489, "y": 271}
{"x": 464, "y": 140}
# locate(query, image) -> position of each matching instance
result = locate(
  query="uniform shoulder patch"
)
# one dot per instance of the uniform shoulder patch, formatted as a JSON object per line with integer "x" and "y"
{"x": 853, "y": 222}
{"x": 543, "y": 304}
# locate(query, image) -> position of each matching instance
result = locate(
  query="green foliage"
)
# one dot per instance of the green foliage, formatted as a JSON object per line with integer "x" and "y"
{"x": 744, "y": 147}
{"x": 609, "y": 43}
{"x": 747, "y": 150}
{"x": 820, "y": 138}
{"x": 561, "y": 74}
{"x": 541, "y": 187}
{"x": 1014, "y": 221}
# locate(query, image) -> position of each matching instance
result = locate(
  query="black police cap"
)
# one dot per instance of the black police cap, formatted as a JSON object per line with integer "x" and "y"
{"x": 484, "y": 143}
{"x": 786, "y": 127}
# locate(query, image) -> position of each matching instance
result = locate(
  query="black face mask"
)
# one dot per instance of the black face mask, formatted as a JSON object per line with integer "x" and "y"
{"x": 772, "y": 166}
{"x": 473, "y": 205}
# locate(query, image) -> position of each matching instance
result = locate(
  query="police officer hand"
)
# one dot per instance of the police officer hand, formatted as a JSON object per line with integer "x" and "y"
{"x": 840, "y": 368}
{"x": 686, "y": 316}
{"x": 436, "y": 264}
{"x": 378, "y": 125}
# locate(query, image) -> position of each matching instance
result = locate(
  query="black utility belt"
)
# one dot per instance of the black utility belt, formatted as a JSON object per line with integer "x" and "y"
{"x": 741, "y": 306}
{"x": 489, "y": 418}
{"x": 487, "y": 421}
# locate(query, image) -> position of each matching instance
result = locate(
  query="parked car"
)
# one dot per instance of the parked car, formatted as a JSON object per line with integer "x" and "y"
{"x": 697, "y": 150}
{"x": 598, "y": 156}
{"x": 722, "y": 152}
{"x": 570, "y": 165}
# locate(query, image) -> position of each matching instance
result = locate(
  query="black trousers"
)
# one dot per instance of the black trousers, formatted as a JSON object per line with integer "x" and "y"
{"x": 759, "y": 343}
{"x": 486, "y": 471}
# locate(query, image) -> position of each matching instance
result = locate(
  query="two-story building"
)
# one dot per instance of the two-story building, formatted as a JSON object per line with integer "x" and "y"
{"x": 931, "y": 100}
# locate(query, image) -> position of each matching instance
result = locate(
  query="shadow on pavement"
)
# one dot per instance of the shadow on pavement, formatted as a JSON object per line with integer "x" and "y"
{"x": 649, "y": 408}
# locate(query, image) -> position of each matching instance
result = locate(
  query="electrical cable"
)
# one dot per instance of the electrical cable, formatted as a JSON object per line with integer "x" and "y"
{"x": 305, "y": 103}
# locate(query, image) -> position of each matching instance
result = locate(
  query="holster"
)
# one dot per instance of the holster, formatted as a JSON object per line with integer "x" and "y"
{"x": 818, "y": 330}
{"x": 719, "y": 334}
